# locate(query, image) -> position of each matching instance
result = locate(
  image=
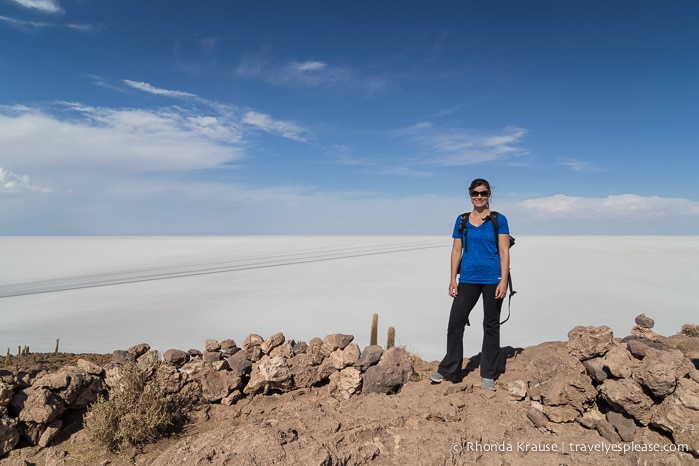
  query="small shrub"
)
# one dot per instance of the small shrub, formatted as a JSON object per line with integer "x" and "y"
{"x": 135, "y": 412}
{"x": 690, "y": 330}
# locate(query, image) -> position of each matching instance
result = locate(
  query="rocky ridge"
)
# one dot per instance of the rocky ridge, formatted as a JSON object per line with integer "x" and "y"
{"x": 594, "y": 399}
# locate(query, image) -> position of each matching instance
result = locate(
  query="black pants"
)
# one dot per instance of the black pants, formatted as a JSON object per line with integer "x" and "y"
{"x": 461, "y": 307}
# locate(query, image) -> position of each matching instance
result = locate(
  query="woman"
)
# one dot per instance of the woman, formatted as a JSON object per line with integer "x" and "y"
{"x": 482, "y": 266}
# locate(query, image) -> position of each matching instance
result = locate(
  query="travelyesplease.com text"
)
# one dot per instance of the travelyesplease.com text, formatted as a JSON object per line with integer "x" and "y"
{"x": 565, "y": 447}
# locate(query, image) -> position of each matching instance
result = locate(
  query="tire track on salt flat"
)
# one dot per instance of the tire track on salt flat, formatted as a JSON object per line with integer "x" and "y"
{"x": 269, "y": 260}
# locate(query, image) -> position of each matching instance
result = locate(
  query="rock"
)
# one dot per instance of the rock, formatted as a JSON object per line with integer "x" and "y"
{"x": 285, "y": 350}
{"x": 232, "y": 398}
{"x": 228, "y": 346}
{"x": 149, "y": 362}
{"x": 589, "y": 342}
{"x": 139, "y": 350}
{"x": 537, "y": 416}
{"x": 176, "y": 357}
{"x": 253, "y": 353}
{"x": 216, "y": 385}
{"x": 211, "y": 357}
{"x": 272, "y": 342}
{"x": 689, "y": 347}
{"x": 369, "y": 357}
{"x": 643, "y": 332}
{"x": 336, "y": 360}
{"x": 211, "y": 345}
{"x": 122, "y": 357}
{"x": 345, "y": 383}
{"x": 53, "y": 381}
{"x": 625, "y": 426}
{"x": 221, "y": 365}
{"x": 627, "y": 396}
{"x": 303, "y": 370}
{"x": 239, "y": 364}
{"x": 315, "y": 349}
{"x": 170, "y": 380}
{"x": 688, "y": 393}
{"x": 350, "y": 354}
{"x": 619, "y": 362}
{"x": 517, "y": 390}
{"x": 252, "y": 340}
{"x": 558, "y": 381}
{"x": 329, "y": 366}
{"x": 643, "y": 321}
{"x": 659, "y": 371}
{"x": 334, "y": 342}
{"x": 390, "y": 374}
{"x": 194, "y": 367}
{"x": 82, "y": 390}
{"x": 269, "y": 374}
{"x": 38, "y": 405}
{"x": 590, "y": 418}
{"x": 636, "y": 346}
{"x": 6, "y": 393}
{"x": 9, "y": 437}
{"x": 300, "y": 347}
{"x": 678, "y": 415}
{"x": 50, "y": 433}
{"x": 595, "y": 369}
{"x": 607, "y": 431}
{"x": 90, "y": 367}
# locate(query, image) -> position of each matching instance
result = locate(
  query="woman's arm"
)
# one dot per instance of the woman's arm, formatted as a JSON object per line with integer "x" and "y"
{"x": 456, "y": 251}
{"x": 504, "y": 251}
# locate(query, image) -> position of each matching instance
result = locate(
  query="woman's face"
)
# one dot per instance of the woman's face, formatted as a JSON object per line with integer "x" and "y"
{"x": 480, "y": 195}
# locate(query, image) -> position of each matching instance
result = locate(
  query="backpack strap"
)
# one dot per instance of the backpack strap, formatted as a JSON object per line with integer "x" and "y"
{"x": 463, "y": 230}
{"x": 494, "y": 219}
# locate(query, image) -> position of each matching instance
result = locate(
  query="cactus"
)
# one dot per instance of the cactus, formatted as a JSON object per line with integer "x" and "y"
{"x": 373, "y": 340}
{"x": 56, "y": 350}
{"x": 391, "y": 340}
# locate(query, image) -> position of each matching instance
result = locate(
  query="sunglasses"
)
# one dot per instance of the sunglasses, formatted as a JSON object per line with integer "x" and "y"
{"x": 480, "y": 193}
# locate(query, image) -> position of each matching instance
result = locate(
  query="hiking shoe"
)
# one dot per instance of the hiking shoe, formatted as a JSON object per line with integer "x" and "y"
{"x": 487, "y": 384}
{"x": 437, "y": 377}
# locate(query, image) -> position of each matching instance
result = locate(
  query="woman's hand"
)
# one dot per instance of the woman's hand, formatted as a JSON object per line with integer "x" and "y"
{"x": 501, "y": 290}
{"x": 453, "y": 288}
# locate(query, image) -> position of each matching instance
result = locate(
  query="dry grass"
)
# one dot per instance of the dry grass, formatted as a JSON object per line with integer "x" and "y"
{"x": 135, "y": 412}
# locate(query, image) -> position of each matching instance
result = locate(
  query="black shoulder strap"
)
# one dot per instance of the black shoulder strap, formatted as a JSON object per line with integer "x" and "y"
{"x": 494, "y": 219}
{"x": 463, "y": 230}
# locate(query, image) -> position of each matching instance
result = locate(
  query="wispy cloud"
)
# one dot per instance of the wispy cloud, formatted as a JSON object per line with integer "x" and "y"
{"x": 405, "y": 171}
{"x": 11, "y": 183}
{"x": 35, "y": 26}
{"x": 24, "y": 25}
{"x": 44, "y": 6}
{"x": 267, "y": 124}
{"x": 306, "y": 66}
{"x": 624, "y": 205}
{"x": 578, "y": 165}
{"x": 256, "y": 120}
{"x": 145, "y": 87}
{"x": 459, "y": 147}
{"x": 308, "y": 73}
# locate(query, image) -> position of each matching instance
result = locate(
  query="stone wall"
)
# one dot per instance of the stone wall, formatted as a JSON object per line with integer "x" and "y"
{"x": 34, "y": 408}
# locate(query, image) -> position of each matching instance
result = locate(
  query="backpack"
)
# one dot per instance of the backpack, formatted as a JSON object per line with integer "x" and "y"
{"x": 463, "y": 231}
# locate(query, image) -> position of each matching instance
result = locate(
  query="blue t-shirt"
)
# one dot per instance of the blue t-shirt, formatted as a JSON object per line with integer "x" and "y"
{"x": 480, "y": 263}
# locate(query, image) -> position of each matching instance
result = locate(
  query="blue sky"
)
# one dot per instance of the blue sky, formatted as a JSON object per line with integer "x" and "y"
{"x": 364, "y": 117}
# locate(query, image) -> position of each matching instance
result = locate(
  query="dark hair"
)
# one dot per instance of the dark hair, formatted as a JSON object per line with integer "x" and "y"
{"x": 479, "y": 182}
